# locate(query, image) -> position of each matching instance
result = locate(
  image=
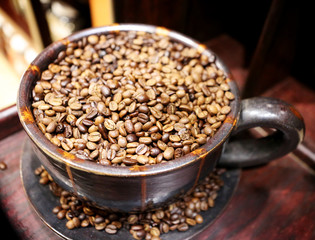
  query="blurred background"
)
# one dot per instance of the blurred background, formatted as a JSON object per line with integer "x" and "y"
{"x": 270, "y": 39}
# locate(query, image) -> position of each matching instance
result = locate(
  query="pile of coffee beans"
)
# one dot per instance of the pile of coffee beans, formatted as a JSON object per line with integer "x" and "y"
{"x": 180, "y": 216}
{"x": 130, "y": 98}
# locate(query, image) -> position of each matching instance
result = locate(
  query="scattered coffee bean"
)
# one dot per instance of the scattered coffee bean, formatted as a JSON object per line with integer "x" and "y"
{"x": 3, "y": 166}
{"x": 186, "y": 212}
{"x": 111, "y": 229}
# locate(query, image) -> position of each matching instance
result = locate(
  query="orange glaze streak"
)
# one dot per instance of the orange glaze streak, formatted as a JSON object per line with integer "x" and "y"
{"x": 143, "y": 193}
{"x": 201, "y": 48}
{"x": 199, "y": 151}
{"x": 230, "y": 120}
{"x": 115, "y": 31}
{"x": 296, "y": 112}
{"x": 34, "y": 69}
{"x": 202, "y": 161}
{"x": 162, "y": 31}
{"x": 26, "y": 115}
{"x": 65, "y": 41}
{"x": 137, "y": 168}
{"x": 66, "y": 154}
{"x": 71, "y": 179}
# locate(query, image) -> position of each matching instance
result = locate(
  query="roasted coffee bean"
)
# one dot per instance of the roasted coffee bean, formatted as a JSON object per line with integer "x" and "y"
{"x": 155, "y": 232}
{"x": 199, "y": 219}
{"x": 142, "y": 159}
{"x": 155, "y": 151}
{"x": 182, "y": 227}
{"x": 180, "y": 215}
{"x": 61, "y": 214}
{"x": 145, "y": 140}
{"x": 3, "y": 166}
{"x": 132, "y": 219}
{"x": 94, "y": 137}
{"x": 129, "y": 161}
{"x": 143, "y": 118}
{"x": 70, "y": 224}
{"x": 131, "y": 138}
{"x": 100, "y": 226}
{"x": 129, "y": 126}
{"x": 109, "y": 124}
{"x": 92, "y": 113}
{"x": 111, "y": 229}
{"x": 142, "y": 149}
{"x": 168, "y": 154}
{"x": 143, "y": 109}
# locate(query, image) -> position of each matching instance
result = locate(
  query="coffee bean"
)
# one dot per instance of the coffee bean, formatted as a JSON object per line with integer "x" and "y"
{"x": 94, "y": 137}
{"x": 61, "y": 214}
{"x": 199, "y": 219}
{"x": 70, "y": 224}
{"x": 92, "y": 39}
{"x": 155, "y": 232}
{"x": 142, "y": 117}
{"x": 168, "y": 153}
{"x": 132, "y": 219}
{"x": 76, "y": 222}
{"x": 122, "y": 142}
{"x": 210, "y": 202}
{"x": 142, "y": 149}
{"x": 129, "y": 126}
{"x": 81, "y": 128}
{"x": 145, "y": 140}
{"x": 100, "y": 226}
{"x": 111, "y": 153}
{"x": 142, "y": 159}
{"x": 111, "y": 229}
{"x": 92, "y": 113}
{"x": 142, "y": 98}
{"x": 113, "y": 106}
{"x": 182, "y": 227}
{"x": 109, "y": 124}
{"x": 161, "y": 145}
{"x": 225, "y": 110}
{"x": 143, "y": 109}
{"x": 51, "y": 127}
{"x": 131, "y": 138}
{"x": 168, "y": 128}
{"x": 47, "y": 75}
{"x": 174, "y": 138}
{"x": 3, "y": 166}
{"x": 130, "y": 161}
{"x": 155, "y": 151}
{"x": 229, "y": 95}
{"x": 191, "y": 221}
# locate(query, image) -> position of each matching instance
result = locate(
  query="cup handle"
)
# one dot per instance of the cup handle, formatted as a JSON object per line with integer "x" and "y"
{"x": 269, "y": 113}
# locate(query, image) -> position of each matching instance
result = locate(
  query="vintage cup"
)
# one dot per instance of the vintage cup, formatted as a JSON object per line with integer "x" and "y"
{"x": 138, "y": 188}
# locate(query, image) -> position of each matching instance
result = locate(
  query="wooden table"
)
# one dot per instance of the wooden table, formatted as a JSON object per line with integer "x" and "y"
{"x": 275, "y": 201}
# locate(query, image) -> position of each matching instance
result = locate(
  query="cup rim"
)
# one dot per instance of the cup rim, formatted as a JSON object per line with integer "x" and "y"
{"x": 41, "y": 62}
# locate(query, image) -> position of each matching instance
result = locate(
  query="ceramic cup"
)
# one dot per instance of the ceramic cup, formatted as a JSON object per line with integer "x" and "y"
{"x": 138, "y": 188}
